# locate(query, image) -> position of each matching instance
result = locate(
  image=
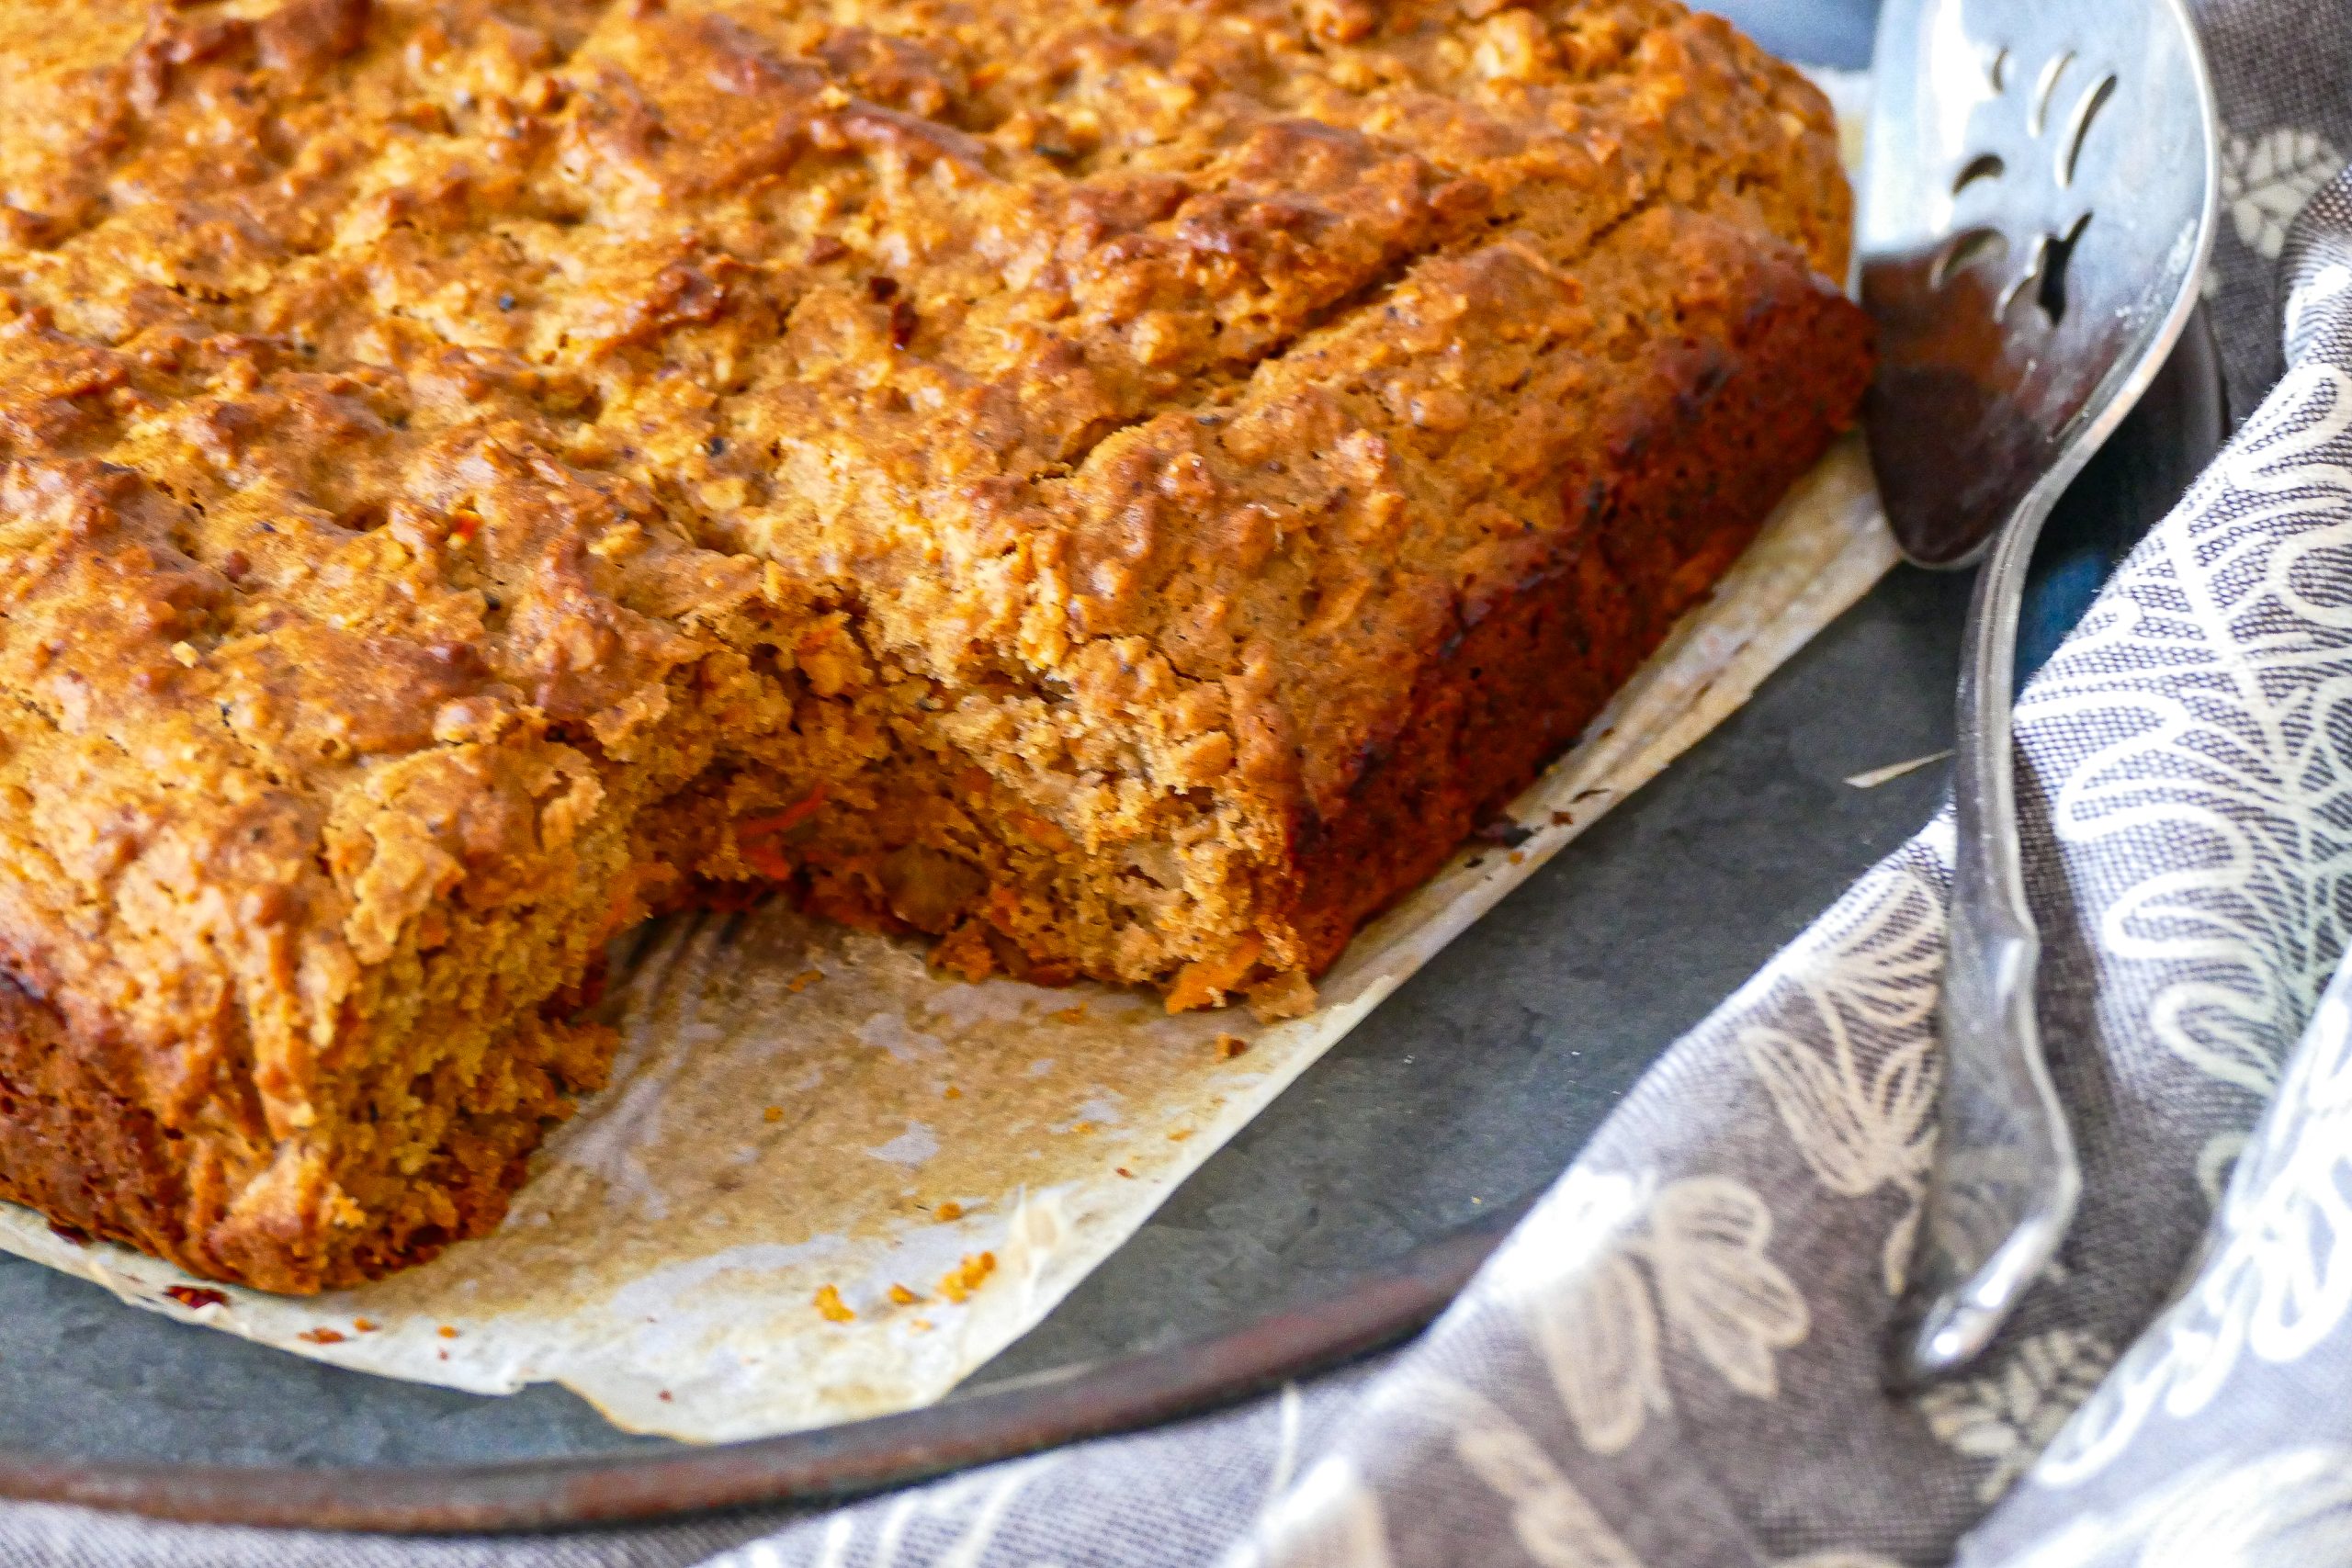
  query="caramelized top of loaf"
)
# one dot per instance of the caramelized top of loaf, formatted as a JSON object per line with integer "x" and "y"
{"x": 400, "y": 404}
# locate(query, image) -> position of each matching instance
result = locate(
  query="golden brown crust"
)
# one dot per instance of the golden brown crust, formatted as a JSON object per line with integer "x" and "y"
{"x": 1117, "y": 487}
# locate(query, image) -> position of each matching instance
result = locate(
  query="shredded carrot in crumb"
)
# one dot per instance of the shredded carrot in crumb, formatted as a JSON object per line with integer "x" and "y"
{"x": 767, "y": 859}
{"x": 803, "y": 980}
{"x": 919, "y": 1324}
{"x": 1229, "y": 1047}
{"x": 950, "y": 1210}
{"x": 783, "y": 821}
{"x": 831, "y": 1307}
{"x": 1123, "y": 1171}
{"x": 753, "y": 836}
{"x": 772, "y": 1113}
{"x": 903, "y": 1296}
{"x": 958, "y": 1283}
{"x": 447, "y": 1332}
{"x": 1180, "y": 1134}
{"x": 1069, "y": 1015}
{"x": 321, "y": 1336}
{"x": 953, "y": 1093}
{"x": 364, "y": 1325}
{"x": 1083, "y": 1129}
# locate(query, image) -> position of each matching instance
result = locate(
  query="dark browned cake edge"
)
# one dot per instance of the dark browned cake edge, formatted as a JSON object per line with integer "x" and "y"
{"x": 1734, "y": 414}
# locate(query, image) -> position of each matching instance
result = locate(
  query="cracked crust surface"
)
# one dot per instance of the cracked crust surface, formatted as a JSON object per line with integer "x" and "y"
{"x": 1119, "y": 488}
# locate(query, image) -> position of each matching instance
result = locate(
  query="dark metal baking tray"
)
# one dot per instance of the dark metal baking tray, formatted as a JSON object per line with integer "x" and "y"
{"x": 1342, "y": 1219}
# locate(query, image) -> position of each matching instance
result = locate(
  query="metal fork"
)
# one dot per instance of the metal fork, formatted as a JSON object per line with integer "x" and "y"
{"x": 2037, "y": 209}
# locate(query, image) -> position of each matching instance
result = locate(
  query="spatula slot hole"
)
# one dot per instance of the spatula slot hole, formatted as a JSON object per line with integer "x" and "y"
{"x": 2044, "y": 89}
{"x": 2051, "y": 293}
{"x": 2078, "y": 126}
{"x": 1966, "y": 249}
{"x": 2045, "y": 272}
{"x": 1984, "y": 166}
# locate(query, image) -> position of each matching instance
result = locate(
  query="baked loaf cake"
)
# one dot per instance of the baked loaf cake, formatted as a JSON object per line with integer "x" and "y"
{"x": 1119, "y": 486}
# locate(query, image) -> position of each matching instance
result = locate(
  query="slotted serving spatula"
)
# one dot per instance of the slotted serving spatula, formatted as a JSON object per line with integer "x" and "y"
{"x": 2037, "y": 208}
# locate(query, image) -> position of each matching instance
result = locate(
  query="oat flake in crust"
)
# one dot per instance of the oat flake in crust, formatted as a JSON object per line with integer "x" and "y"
{"x": 1119, "y": 488}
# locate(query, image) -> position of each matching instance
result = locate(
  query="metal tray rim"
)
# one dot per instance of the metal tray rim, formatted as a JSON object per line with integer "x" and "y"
{"x": 824, "y": 1463}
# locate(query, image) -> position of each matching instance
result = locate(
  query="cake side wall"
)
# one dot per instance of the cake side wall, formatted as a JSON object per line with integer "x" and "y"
{"x": 1723, "y": 430}
{"x": 74, "y": 1147}
{"x": 98, "y": 1163}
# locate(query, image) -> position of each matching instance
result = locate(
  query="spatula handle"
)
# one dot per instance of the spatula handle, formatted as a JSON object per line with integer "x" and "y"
{"x": 2005, "y": 1178}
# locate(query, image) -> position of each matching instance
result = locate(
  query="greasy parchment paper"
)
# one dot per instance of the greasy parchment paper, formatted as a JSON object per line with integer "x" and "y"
{"x": 803, "y": 1117}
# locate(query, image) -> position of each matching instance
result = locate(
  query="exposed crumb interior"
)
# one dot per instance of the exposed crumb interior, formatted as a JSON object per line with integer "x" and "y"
{"x": 1018, "y": 472}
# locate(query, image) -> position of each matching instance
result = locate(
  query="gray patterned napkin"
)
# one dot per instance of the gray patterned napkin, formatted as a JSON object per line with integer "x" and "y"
{"x": 1672, "y": 1362}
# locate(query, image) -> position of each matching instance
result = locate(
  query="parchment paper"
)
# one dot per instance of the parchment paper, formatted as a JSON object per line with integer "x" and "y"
{"x": 827, "y": 1183}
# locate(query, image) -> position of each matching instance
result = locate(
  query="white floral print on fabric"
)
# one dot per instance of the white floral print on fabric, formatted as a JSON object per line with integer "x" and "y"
{"x": 2279, "y": 1284}
{"x": 1330, "y": 1519}
{"x": 2008, "y": 1415}
{"x": 2288, "y": 1509}
{"x": 2266, "y": 180}
{"x": 1612, "y": 1262}
{"x": 952, "y": 1524}
{"x": 1551, "y": 1519}
{"x": 1849, "y": 1057}
{"x": 2307, "y": 297}
{"x": 2231, "y": 769}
